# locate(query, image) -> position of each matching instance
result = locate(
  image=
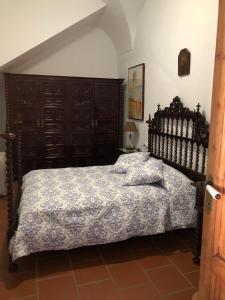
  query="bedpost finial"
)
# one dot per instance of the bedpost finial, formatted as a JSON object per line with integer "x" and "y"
{"x": 198, "y": 107}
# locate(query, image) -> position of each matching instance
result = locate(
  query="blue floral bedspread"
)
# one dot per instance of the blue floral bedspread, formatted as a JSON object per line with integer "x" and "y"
{"x": 73, "y": 207}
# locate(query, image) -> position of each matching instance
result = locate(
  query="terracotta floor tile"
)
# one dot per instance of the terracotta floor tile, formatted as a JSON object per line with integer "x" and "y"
{"x": 127, "y": 274}
{"x": 115, "y": 253}
{"x": 168, "y": 279}
{"x": 184, "y": 262}
{"x": 57, "y": 282}
{"x": 143, "y": 293}
{"x": 186, "y": 295}
{"x": 87, "y": 272}
{"x": 84, "y": 254}
{"x": 61, "y": 288}
{"x": 53, "y": 266}
{"x": 17, "y": 285}
{"x": 194, "y": 278}
{"x": 104, "y": 290}
{"x": 151, "y": 258}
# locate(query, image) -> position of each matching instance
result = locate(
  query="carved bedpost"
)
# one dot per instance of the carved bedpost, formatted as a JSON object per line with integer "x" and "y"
{"x": 10, "y": 139}
{"x": 121, "y": 112}
{"x": 19, "y": 156}
{"x": 149, "y": 135}
{"x": 9, "y": 181}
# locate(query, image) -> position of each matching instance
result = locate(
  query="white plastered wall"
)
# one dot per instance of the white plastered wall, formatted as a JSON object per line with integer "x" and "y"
{"x": 163, "y": 29}
{"x": 87, "y": 53}
{"x": 25, "y": 24}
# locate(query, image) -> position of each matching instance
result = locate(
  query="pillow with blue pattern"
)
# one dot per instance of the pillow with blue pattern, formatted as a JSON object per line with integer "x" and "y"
{"x": 126, "y": 160}
{"x": 174, "y": 179}
{"x": 150, "y": 171}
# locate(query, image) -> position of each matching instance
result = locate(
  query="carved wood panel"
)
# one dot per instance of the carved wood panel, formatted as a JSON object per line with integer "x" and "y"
{"x": 52, "y": 93}
{"x": 24, "y": 92}
{"x": 82, "y": 139}
{"x": 54, "y": 139}
{"x": 81, "y": 94}
{"x": 53, "y": 112}
{"x": 106, "y": 96}
{"x": 82, "y": 120}
{"x": 105, "y": 139}
{"x": 179, "y": 136}
{"x": 25, "y": 117}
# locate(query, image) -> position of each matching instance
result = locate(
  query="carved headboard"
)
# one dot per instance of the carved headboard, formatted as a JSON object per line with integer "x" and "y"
{"x": 179, "y": 136}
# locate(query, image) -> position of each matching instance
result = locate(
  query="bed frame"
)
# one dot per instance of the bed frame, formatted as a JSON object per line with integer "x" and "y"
{"x": 176, "y": 134}
{"x": 179, "y": 136}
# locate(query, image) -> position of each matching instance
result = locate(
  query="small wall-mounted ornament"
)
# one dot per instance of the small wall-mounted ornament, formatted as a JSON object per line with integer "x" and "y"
{"x": 184, "y": 62}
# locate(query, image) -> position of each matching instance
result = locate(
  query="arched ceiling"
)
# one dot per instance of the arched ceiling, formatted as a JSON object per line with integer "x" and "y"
{"x": 119, "y": 21}
{"x": 132, "y": 10}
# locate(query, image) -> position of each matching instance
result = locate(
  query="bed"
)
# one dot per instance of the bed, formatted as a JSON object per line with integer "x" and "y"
{"x": 73, "y": 207}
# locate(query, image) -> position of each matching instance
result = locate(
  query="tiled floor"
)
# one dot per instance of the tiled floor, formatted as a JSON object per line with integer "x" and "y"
{"x": 147, "y": 268}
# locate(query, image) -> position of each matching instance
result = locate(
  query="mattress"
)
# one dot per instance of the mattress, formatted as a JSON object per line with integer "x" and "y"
{"x": 73, "y": 207}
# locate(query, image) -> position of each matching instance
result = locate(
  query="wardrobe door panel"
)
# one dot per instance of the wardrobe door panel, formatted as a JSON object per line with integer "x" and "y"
{"x": 54, "y": 139}
{"x": 54, "y": 123}
{"x": 30, "y": 148}
{"x": 82, "y": 122}
{"x": 52, "y": 92}
{"x": 23, "y": 116}
{"x": 54, "y": 162}
{"x": 106, "y": 95}
{"x": 106, "y": 120}
{"x": 53, "y": 119}
{"x": 22, "y": 91}
{"x": 54, "y": 145}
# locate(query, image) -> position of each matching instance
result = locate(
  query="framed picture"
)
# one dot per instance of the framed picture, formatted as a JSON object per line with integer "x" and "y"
{"x": 136, "y": 85}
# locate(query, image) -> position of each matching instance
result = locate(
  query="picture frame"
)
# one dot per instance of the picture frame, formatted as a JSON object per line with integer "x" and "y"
{"x": 136, "y": 88}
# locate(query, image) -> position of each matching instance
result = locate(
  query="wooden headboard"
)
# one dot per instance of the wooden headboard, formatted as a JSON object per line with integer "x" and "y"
{"x": 179, "y": 136}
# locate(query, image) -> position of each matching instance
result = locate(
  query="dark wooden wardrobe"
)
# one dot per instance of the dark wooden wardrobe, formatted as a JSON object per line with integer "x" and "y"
{"x": 65, "y": 121}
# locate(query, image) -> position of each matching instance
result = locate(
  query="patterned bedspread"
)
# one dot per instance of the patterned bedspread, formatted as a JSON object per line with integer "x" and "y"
{"x": 73, "y": 207}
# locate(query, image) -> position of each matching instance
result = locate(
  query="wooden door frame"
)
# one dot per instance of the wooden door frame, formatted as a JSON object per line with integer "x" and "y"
{"x": 208, "y": 288}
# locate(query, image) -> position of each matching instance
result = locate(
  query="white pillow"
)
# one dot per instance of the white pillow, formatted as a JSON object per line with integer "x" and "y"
{"x": 150, "y": 171}
{"x": 126, "y": 160}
